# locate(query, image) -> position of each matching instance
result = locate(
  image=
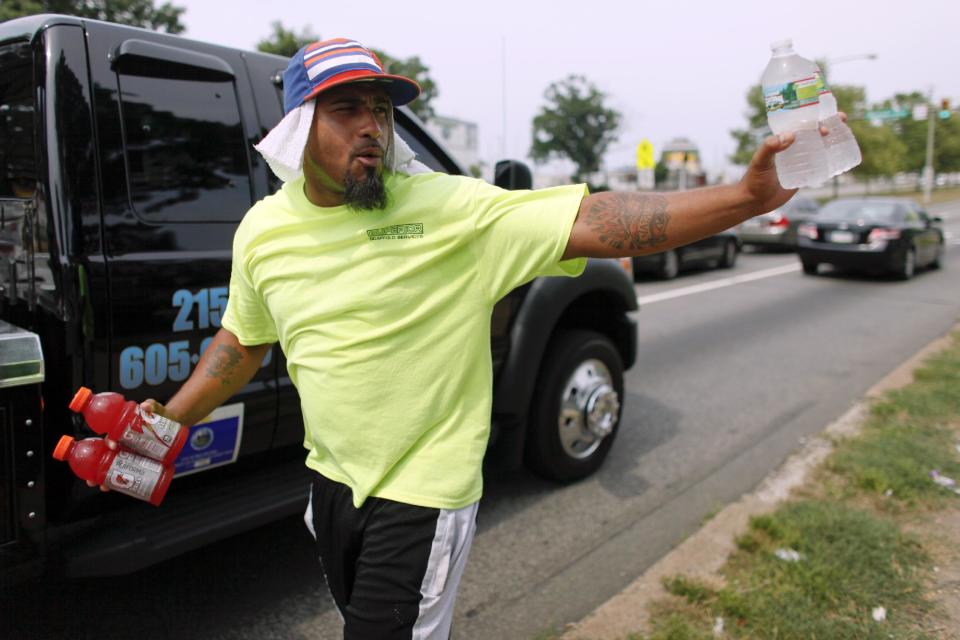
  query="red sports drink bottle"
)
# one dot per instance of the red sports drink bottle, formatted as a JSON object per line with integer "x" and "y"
{"x": 124, "y": 422}
{"x": 139, "y": 477}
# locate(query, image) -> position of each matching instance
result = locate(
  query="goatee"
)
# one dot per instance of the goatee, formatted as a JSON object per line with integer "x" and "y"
{"x": 366, "y": 193}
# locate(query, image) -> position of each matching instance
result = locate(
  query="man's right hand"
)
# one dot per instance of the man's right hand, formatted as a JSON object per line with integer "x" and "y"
{"x": 151, "y": 406}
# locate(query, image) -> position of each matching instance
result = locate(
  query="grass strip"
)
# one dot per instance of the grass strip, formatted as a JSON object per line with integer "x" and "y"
{"x": 822, "y": 564}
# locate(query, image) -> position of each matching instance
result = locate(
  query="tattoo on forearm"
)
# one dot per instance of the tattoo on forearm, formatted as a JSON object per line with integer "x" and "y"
{"x": 223, "y": 364}
{"x": 629, "y": 221}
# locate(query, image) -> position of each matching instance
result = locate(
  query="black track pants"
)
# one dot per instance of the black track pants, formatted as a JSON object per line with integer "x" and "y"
{"x": 393, "y": 569}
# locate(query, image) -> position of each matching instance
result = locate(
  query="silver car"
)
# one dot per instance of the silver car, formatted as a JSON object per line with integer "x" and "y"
{"x": 778, "y": 228}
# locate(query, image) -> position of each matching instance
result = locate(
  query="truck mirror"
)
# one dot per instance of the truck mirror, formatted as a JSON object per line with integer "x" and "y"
{"x": 512, "y": 175}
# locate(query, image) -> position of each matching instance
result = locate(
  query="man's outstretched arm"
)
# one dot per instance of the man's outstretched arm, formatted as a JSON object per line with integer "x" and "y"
{"x": 617, "y": 224}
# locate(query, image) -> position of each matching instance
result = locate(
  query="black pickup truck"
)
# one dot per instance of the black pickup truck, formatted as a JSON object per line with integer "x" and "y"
{"x": 126, "y": 162}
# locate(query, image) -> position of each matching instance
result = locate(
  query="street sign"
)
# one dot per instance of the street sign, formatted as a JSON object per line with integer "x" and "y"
{"x": 887, "y": 114}
{"x": 645, "y": 155}
{"x": 920, "y": 112}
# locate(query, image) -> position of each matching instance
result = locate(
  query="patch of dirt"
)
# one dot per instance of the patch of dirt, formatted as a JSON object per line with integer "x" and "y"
{"x": 940, "y": 534}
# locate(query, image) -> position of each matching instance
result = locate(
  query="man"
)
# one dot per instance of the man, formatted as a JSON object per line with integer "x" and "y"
{"x": 378, "y": 282}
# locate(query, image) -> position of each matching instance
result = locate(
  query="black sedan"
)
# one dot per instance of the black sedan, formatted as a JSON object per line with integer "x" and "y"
{"x": 720, "y": 250}
{"x": 876, "y": 235}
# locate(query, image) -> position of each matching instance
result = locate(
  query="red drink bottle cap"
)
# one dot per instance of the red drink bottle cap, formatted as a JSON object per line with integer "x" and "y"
{"x": 80, "y": 399}
{"x": 60, "y": 451}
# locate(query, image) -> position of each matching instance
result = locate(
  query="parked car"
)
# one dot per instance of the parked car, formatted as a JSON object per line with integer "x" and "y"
{"x": 126, "y": 164}
{"x": 777, "y": 229}
{"x": 720, "y": 250}
{"x": 874, "y": 235}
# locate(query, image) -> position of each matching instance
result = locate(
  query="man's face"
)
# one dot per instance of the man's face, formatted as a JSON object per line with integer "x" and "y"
{"x": 343, "y": 160}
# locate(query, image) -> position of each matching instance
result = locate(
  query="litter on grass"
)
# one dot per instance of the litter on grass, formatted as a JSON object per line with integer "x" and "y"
{"x": 717, "y": 627}
{"x": 879, "y": 614}
{"x": 788, "y": 555}
{"x": 944, "y": 481}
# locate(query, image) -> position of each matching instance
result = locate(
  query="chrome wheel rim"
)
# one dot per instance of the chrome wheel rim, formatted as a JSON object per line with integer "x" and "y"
{"x": 589, "y": 409}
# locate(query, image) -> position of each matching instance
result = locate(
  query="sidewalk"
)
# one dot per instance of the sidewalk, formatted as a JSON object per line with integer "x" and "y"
{"x": 703, "y": 554}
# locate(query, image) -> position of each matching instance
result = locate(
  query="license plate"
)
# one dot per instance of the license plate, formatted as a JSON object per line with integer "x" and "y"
{"x": 842, "y": 236}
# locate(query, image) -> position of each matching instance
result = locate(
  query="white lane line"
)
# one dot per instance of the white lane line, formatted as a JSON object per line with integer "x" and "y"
{"x": 717, "y": 284}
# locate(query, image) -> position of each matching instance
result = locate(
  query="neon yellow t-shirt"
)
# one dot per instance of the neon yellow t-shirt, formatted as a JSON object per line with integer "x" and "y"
{"x": 384, "y": 318}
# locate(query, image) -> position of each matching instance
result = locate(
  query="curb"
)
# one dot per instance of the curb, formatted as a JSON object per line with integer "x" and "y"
{"x": 702, "y": 554}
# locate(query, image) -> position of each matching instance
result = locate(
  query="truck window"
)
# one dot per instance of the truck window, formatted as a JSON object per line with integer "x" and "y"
{"x": 18, "y": 164}
{"x": 185, "y": 147}
{"x": 423, "y": 154}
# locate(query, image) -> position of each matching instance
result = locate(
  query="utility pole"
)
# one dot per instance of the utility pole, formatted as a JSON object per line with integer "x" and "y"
{"x": 928, "y": 169}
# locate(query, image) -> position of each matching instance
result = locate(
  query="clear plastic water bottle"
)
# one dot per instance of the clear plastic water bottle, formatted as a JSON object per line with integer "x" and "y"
{"x": 843, "y": 152}
{"x": 791, "y": 88}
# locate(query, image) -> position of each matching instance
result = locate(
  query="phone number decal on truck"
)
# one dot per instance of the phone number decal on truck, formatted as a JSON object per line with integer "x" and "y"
{"x": 159, "y": 362}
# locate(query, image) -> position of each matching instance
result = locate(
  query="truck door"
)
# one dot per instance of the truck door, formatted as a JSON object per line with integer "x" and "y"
{"x": 176, "y": 125}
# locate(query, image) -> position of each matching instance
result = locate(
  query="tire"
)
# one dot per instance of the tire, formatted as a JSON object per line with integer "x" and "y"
{"x": 729, "y": 257}
{"x": 810, "y": 268}
{"x": 938, "y": 258}
{"x": 576, "y": 408}
{"x": 670, "y": 266}
{"x": 908, "y": 267}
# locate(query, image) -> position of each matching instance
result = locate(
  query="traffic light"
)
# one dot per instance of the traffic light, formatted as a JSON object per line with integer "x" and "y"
{"x": 944, "y": 108}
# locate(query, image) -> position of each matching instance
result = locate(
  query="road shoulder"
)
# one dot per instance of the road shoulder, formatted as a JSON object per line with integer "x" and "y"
{"x": 703, "y": 554}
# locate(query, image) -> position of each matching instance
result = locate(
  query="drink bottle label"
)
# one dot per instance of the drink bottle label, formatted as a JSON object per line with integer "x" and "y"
{"x": 133, "y": 475}
{"x": 793, "y": 95}
{"x": 150, "y": 434}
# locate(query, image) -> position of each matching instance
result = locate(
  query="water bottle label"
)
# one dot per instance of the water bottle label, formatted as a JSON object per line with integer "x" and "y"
{"x": 134, "y": 475}
{"x": 793, "y": 95}
{"x": 821, "y": 83}
{"x": 150, "y": 434}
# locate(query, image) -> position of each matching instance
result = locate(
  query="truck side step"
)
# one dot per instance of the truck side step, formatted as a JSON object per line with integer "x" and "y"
{"x": 131, "y": 539}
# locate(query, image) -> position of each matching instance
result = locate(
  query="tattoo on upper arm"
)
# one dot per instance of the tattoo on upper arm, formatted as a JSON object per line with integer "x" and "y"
{"x": 224, "y": 363}
{"x": 629, "y": 221}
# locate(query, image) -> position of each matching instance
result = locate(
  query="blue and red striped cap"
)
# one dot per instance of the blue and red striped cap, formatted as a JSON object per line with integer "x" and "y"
{"x": 321, "y": 65}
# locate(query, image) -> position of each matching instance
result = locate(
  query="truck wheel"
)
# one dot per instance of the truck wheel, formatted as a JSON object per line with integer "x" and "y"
{"x": 576, "y": 407}
{"x": 670, "y": 266}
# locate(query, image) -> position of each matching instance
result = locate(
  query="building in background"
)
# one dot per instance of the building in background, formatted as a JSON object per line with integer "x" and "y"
{"x": 459, "y": 137}
{"x": 680, "y": 166}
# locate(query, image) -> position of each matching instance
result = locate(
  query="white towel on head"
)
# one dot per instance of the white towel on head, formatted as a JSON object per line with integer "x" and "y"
{"x": 282, "y": 148}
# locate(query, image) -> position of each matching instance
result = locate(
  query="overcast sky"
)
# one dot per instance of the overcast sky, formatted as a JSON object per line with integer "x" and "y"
{"x": 671, "y": 68}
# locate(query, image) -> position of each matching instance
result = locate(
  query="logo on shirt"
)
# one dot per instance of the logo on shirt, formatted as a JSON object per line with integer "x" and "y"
{"x": 397, "y": 232}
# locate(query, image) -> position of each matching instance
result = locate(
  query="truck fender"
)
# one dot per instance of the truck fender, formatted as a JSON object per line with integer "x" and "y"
{"x": 540, "y": 314}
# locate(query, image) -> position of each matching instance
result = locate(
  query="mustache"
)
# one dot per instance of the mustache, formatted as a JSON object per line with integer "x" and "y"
{"x": 368, "y": 148}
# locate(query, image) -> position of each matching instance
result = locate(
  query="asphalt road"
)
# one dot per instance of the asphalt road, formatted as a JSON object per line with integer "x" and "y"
{"x": 735, "y": 368}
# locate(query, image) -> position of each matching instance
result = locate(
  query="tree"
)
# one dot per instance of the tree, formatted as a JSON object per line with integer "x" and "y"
{"x": 883, "y": 152}
{"x": 137, "y": 13}
{"x": 750, "y": 138}
{"x": 414, "y": 69}
{"x": 575, "y": 124}
{"x": 286, "y": 43}
{"x": 913, "y": 134}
